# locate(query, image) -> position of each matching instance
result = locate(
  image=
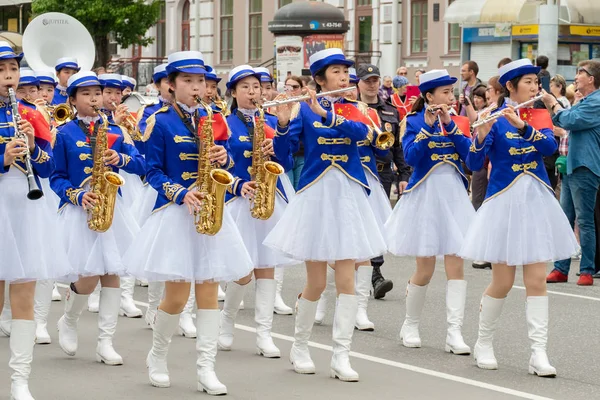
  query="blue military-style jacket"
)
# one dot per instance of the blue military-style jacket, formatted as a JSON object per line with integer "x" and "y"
{"x": 240, "y": 145}
{"x": 60, "y": 96}
{"x": 172, "y": 155}
{"x": 427, "y": 147}
{"x": 512, "y": 155}
{"x": 74, "y": 160}
{"x": 330, "y": 142}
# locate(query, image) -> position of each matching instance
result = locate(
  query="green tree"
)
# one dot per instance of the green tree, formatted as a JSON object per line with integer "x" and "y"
{"x": 127, "y": 20}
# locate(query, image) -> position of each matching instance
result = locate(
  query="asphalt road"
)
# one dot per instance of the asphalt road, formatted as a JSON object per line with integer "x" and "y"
{"x": 387, "y": 370}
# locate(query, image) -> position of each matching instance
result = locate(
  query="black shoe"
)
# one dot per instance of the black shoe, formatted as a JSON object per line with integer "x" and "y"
{"x": 381, "y": 287}
{"x": 485, "y": 265}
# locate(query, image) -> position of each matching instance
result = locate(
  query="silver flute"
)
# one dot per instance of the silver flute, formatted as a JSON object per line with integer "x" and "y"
{"x": 276, "y": 103}
{"x": 498, "y": 114}
{"x": 34, "y": 191}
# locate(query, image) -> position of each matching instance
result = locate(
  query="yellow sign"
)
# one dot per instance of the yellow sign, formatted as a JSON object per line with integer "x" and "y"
{"x": 585, "y": 30}
{"x": 525, "y": 30}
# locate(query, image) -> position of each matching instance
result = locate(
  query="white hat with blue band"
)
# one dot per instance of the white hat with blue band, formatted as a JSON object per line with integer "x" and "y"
{"x": 324, "y": 58}
{"x": 240, "y": 72}
{"x": 190, "y": 62}
{"x": 210, "y": 74}
{"x": 46, "y": 76}
{"x": 128, "y": 82}
{"x": 264, "y": 74}
{"x": 67, "y": 62}
{"x": 160, "y": 72}
{"x": 515, "y": 69}
{"x": 7, "y": 52}
{"x": 435, "y": 78}
{"x": 82, "y": 79}
{"x": 111, "y": 81}
{"x": 27, "y": 77}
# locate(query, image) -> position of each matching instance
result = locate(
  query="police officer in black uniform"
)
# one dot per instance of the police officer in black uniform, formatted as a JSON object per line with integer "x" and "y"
{"x": 390, "y": 165}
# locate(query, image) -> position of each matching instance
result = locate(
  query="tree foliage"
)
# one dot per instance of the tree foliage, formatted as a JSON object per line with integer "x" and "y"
{"x": 127, "y": 20}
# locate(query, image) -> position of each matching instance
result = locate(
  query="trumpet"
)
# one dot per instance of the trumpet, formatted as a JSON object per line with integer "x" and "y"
{"x": 498, "y": 114}
{"x": 383, "y": 140}
{"x": 61, "y": 113}
{"x": 277, "y": 103}
{"x": 130, "y": 121}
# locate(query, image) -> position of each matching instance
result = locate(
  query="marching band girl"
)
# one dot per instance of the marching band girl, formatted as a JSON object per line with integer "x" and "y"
{"x": 30, "y": 248}
{"x": 47, "y": 85}
{"x": 65, "y": 68}
{"x": 529, "y": 227}
{"x": 329, "y": 219}
{"x": 129, "y": 84}
{"x": 432, "y": 217}
{"x": 244, "y": 84}
{"x": 169, "y": 248}
{"x": 94, "y": 255}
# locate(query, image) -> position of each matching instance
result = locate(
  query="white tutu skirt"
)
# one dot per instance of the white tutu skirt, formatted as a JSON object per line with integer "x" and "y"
{"x": 49, "y": 196}
{"x": 287, "y": 186}
{"x": 168, "y": 248}
{"x": 132, "y": 189}
{"x": 523, "y": 225}
{"x": 379, "y": 201}
{"x": 93, "y": 253}
{"x": 144, "y": 204}
{"x": 331, "y": 220}
{"x": 254, "y": 231}
{"x": 432, "y": 219}
{"x": 30, "y": 247}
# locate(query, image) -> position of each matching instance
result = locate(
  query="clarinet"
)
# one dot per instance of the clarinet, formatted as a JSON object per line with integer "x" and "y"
{"x": 34, "y": 192}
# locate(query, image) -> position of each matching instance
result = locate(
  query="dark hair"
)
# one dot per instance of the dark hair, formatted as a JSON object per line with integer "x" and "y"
{"x": 295, "y": 78}
{"x": 320, "y": 74}
{"x": 542, "y": 61}
{"x": 479, "y": 91}
{"x": 472, "y": 66}
{"x": 505, "y": 92}
{"x": 593, "y": 67}
{"x": 234, "y": 103}
{"x": 420, "y": 102}
{"x": 504, "y": 61}
{"x": 171, "y": 78}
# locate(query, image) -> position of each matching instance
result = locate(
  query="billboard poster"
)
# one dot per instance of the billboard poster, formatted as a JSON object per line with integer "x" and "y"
{"x": 288, "y": 51}
{"x": 314, "y": 43}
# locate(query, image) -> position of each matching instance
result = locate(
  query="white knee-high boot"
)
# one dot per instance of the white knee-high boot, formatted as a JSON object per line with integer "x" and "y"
{"x": 280, "y": 307}
{"x": 164, "y": 328}
{"x": 343, "y": 328}
{"x": 55, "y": 293}
{"x": 233, "y": 296}
{"x": 94, "y": 300}
{"x": 362, "y": 288}
{"x": 207, "y": 328}
{"x": 21, "y": 355}
{"x": 263, "y": 316}
{"x": 108, "y": 315}
{"x": 187, "y": 328}
{"x": 41, "y": 308}
{"x": 6, "y": 315}
{"x": 67, "y": 324}
{"x": 456, "y": 295}
{"x": 537, "y": 326}
{"x": 415, "y": 299}
{"x": 489, "y": 314}
{"x": 155, "y": 294}
{"x": 128, "y": 308}
{"x": 326, "y": 297}
{"x": 305, "y": 318}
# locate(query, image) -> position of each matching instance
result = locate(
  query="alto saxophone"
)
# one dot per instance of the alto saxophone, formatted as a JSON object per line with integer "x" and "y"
{"x": 264, "y": 173}
{"x": 212, "y": 182}
{"x": 104, "y": 183}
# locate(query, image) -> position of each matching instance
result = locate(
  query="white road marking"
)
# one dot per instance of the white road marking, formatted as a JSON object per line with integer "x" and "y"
{"x": 390, "y": 363}
{"x": 578, "y": 296}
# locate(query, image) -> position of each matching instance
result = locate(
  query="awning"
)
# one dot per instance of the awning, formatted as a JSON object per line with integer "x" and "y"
{"x": 467, "y": 12}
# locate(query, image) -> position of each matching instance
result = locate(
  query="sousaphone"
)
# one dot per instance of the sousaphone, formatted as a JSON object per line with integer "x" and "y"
{"x": 54, "y": 35}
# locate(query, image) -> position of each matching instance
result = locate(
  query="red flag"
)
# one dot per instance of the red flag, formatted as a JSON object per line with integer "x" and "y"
{"x": 111, "y": 138}
{"x": 463, "y": 124}
{"x": 539, "y": 118}
{"x": 220, "y": 131}
{"x": 37, "y": 120}
{"x": 269, "y": 132}
{"x": 350, "y": 112}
